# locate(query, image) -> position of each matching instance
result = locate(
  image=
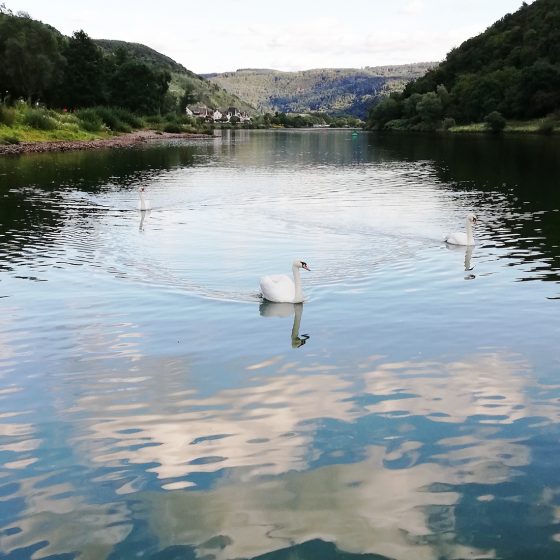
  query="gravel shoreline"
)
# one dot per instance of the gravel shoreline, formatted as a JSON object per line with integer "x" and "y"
{"x": 122, "y": 141}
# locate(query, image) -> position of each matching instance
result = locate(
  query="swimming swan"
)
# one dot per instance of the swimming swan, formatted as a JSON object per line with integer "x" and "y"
{"x": 463, "y": 238}
{"x": 143, "y": 203}
{"x": 281, "y": 288}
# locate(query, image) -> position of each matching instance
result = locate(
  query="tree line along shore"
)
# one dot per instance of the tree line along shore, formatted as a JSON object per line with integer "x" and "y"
{"x": 77, "y": 95}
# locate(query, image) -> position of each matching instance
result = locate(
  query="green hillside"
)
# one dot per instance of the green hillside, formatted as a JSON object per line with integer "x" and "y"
{"x": 201, "y": 90}
{"x": 41, "y": 65}
{"x": 334, "y": 91}
{"x": 510, "y": 71}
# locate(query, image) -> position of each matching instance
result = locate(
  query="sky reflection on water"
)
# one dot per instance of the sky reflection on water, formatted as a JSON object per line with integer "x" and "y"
{"x": 151, "y": 405}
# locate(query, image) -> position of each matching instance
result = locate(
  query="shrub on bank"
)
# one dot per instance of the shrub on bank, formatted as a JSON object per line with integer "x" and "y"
{"x": 89, "y": 120}
{"x": 547, "y": 126}
{"x": 495, "y": 121}
{"x": 111, "y": 119}
{"x": 39, "y": 119}
{"x": 173, "y": 127}
{"x": 448, "y": 122}
{"x": 128, "y": 117}
{"x": 7, "y": 115}
{"x": 9, "y": 139}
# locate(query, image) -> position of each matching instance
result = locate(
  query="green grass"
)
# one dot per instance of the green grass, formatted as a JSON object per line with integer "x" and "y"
{"x": 534, "y": 126}
{"x": 23, "y": 123}
{"x": 25, "y": 133}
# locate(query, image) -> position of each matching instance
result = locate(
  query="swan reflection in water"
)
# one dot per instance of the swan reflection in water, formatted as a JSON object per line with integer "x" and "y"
{"x": 142, "y": 218}
{"x": 269, "y": 309}
{"x": 468, "y": 250}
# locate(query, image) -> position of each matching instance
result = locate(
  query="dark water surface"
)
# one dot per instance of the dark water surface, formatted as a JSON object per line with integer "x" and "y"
{"x": 152, "y": 406}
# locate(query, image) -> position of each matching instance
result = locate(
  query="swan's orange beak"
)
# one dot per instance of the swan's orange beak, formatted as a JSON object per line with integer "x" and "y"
{"x": 304, "y": 265}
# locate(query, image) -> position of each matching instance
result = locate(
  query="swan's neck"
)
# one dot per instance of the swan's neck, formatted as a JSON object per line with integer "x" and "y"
{"x": 470, "y": 238}
{"x": 142, "y": 201}
{"x": 298, "y": 297}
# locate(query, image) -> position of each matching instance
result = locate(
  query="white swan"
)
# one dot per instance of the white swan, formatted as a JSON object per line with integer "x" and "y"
{"x": 462, "y": 238}
{"x": 143, "y": 203}
{"x": 281, "y": 288}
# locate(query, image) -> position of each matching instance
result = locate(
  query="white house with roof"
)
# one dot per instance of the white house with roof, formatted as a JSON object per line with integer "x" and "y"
{"x": 216, "y": 115}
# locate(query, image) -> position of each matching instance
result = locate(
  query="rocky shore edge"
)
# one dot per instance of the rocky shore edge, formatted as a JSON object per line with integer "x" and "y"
{"x": 122, "y": 141}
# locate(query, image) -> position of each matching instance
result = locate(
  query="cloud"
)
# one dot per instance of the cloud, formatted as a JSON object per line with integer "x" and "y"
{"x": 329, "y": 43}
{"x": 414, "y": 7}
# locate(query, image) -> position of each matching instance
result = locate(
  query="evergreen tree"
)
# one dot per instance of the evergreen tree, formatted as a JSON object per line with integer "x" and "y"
{"x": 85, "y": 75}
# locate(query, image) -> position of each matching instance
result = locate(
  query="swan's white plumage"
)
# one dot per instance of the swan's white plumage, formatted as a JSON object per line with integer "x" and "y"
{"x": 280, "y": 288}
{"x": 462, "y": 238}
{"x": 143, "y": 203}
{"x": 458, "y": 238}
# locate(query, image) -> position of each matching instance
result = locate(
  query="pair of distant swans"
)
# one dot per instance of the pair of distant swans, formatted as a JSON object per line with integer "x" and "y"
{"x": 282, "y": 289}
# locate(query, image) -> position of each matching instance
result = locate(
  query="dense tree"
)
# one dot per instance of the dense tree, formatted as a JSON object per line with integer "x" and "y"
{"x": 85, "y": 75}
{"x": 495, "y": 121}
{"x": 386, "y": 110}
{"x": 429, "y": 108}
{"x": 30, "y": 55}
{"x": 39, "y": 64}
{"x": 189, "y": 97}
{"x": 512, "y": 68}
{"x": 137, "y": 86}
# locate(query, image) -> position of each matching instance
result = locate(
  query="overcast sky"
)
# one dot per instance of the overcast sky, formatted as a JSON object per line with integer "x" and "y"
{"x": 225, "y": 35}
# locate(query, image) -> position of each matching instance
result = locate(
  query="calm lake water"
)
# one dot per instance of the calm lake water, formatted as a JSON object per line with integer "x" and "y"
{"x": 152, "y": 406}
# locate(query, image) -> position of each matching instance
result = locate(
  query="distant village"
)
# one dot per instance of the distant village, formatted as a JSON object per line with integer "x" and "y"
{"x": 207, "y": 114}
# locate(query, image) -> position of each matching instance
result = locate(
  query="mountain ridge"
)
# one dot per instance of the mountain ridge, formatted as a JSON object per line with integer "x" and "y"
{"x": 332, "y": 90}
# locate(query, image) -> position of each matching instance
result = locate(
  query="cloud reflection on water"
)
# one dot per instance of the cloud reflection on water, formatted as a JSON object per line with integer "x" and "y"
{"x": 267, "y": 427}
{"x": 278, "y": 475}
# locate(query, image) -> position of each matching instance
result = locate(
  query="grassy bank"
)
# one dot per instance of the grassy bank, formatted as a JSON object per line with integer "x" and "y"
{"x": 535, "y": 126}
{"x": 23, "y": 123}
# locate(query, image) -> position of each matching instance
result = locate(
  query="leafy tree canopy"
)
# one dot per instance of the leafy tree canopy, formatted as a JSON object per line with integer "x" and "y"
{"x": 513, "y": 68}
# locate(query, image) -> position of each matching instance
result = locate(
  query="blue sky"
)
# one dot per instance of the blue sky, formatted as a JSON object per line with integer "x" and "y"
{"x": 226, "y": 35}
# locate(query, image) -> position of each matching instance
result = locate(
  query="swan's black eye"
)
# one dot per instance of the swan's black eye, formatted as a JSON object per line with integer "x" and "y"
{"x": 303, "y": 263}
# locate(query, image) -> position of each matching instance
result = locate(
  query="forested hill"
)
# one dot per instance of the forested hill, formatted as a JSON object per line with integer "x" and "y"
{"x": 513, "y": 68}
{"x": 334, "y": 91}
{"x": 40, "y": 65}
{"x": 144, "y": 53}
{"x": 199, "y": 90}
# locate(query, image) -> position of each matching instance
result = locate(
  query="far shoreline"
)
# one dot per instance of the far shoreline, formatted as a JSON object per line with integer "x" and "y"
{"x": 126, "y": 140}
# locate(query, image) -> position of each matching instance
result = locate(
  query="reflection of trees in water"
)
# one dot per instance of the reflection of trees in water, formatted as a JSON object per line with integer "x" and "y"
{"x": 515, "y": 178}
{"x": 90, "y": 170}
{"x": 33, "y": 188}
